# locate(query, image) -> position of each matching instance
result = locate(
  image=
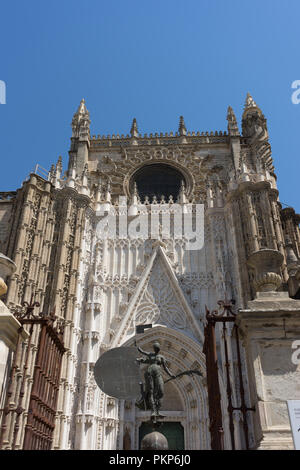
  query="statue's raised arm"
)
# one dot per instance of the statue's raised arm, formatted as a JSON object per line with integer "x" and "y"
{"x": 141, "y": 350}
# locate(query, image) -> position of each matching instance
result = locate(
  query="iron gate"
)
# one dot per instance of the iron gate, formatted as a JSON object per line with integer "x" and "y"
{"x": 224, "y": 315}
{"x": 45, "y": 386}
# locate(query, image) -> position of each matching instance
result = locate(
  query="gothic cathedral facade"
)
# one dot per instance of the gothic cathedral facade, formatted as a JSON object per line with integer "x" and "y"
{"x": 101, "y": 285}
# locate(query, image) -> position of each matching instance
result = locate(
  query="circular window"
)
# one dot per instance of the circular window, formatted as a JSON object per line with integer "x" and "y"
{"x": 157, "y": 180}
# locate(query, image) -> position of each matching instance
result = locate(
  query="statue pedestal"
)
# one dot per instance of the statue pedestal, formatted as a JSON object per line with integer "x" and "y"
{"x": 269, "y": 328}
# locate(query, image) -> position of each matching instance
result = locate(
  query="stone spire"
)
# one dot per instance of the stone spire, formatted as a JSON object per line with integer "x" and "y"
{"x": 70, "y": 183}
{"x": 52, "y": 174}
{"x": 55, "y": 172}
{"x": 58, "y": 166}
{"x": 133, "y": 209}
{"x": 81, "y": 122}
{"x": 249, "y": 103}
{"x": 80, "y": 141}
{"x": 84, "y": 189}
{"x": 135, "y": 190}
{"x": 232, "y": 127}
{"x": 182, "y": 199}
{"x": 250, "y": 106}
{"x": 254, "y": 123}
{"x": 134, "y": 129}
{"x": 181, "y": 127}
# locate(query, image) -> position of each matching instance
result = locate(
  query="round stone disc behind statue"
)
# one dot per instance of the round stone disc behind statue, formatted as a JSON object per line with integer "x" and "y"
{"x": 117, "y": 373}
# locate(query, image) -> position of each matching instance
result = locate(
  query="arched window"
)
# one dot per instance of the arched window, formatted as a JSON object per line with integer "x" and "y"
{"x": 157, "y": 179}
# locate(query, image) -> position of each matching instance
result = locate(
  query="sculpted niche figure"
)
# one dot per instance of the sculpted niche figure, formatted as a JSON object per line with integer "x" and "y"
{"x": 153, "y": 389}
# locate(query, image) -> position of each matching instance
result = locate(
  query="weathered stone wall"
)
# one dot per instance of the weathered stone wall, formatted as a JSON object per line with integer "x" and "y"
{"x": 5, "y": 219}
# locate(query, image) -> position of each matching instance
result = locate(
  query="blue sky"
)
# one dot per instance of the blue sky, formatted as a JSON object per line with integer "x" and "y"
{"x": 151, "y": 60}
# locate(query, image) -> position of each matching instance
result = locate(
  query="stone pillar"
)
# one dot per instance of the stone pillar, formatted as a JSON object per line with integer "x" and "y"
{"x": 10, "y": 328}
{"x": 269, "y": 326}
{"x": 250, "y": 211}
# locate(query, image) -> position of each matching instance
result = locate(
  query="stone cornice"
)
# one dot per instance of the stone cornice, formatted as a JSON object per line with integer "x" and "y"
{"x": 71, "y": 193}
{"x": 289, "y": 213}
{"x": 199, "y": 142}
{"x": 7, "y": 196}
{"x": 160, "y": 139}
{"x": 38, "y": 183}
{"x": 269, "y": 310}
{"x": 250, "y": 186}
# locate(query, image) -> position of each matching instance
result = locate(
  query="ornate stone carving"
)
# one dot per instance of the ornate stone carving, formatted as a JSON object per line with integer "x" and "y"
{"x": 266, "y": 264}
{"x": 81, "y": 122}
{"x": 158, "y": 305}
{"x": 233, "y": 129}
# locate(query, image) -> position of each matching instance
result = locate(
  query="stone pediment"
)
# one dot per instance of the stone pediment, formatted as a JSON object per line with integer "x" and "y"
{"x": 159, "y": 300}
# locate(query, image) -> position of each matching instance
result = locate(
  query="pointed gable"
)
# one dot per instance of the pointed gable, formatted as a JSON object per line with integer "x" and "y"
{"x": 158, "y": 300}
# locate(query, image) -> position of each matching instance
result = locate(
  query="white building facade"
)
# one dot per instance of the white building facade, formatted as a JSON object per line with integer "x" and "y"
{"x": 103, "y": 282}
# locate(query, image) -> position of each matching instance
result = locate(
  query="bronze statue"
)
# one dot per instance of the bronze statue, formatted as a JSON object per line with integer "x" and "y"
{"x": 154, "y": 382}
{"x": 153, "y": 389}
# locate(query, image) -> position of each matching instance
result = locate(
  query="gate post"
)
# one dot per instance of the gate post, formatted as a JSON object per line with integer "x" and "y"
{"x": 46, "y": 376}
{"x": 213, "y": 387}
{"x": 270, "y": 328}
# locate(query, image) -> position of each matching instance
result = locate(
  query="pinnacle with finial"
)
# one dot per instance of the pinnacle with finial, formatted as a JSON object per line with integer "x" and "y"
{"x": 58, "y": 165}
{"x": 82, "y": 107}
{"x": 182, "y": 193}
{"x": 232, "y": 127}
{"x": 134, "y": 129}
{"x": 250, "y": 106}
{"x": 250, "y": 103}
{"x": 181, "y": 127}
{"x": 81, "y": 122}
{"x": 230, "y": 114}
{"x": 81, "y": 111}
